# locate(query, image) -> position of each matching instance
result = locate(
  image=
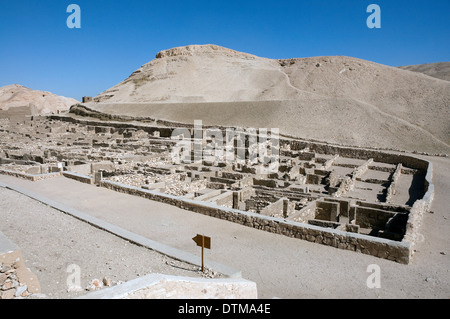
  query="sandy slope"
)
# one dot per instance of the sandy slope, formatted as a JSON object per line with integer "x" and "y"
{"x": 336, "y": 99}
{"x": 39, "y": 102}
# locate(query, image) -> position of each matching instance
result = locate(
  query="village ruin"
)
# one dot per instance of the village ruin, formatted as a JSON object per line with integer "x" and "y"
{"x": 365, "y": 200}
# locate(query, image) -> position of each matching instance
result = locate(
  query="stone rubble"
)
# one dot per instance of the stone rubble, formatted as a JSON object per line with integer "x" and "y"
{"x": 10, "y": 286}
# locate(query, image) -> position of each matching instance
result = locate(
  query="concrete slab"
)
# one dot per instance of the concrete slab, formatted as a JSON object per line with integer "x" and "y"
{"x": 176, "y": 287}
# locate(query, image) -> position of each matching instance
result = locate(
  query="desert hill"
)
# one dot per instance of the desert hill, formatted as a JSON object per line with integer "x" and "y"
{"x": 335, "y": 99}
{"x": 38, "y": 102}
{"x": 440, "y": 70}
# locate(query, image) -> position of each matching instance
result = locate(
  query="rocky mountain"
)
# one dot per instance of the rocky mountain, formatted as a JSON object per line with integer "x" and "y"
{"x": 440, "y": 70}
{"x": 38, "y": 102}
{"x": 335, "y": 99}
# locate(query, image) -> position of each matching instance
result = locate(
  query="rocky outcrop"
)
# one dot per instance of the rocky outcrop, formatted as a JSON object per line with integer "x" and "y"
{"x": 38, "y": 102}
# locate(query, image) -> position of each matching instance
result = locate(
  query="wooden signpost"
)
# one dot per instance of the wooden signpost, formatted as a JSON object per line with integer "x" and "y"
{"x": 204, "y": 242}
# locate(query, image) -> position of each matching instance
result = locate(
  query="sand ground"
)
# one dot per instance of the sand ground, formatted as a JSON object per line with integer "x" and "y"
{"x": 53, "y": 242}
{"x": 282, "y": 267}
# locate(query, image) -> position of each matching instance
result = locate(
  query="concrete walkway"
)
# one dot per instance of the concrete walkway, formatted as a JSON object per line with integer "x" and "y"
{"x": 281, "y": 267}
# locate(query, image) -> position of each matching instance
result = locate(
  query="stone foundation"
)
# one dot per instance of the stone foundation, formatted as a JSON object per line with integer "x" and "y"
{"x": 379, "y": 247}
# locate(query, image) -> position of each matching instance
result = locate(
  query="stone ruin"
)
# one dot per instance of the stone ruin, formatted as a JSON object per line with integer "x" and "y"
{"x": 16, "y": 280}
{"x": 365, "y": 200}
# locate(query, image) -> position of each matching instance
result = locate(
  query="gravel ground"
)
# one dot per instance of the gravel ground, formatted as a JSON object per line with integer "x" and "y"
{"x": 51, "y": 241}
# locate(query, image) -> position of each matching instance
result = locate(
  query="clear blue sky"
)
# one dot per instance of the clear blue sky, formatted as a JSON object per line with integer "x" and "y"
{"x": 39, "y": 51}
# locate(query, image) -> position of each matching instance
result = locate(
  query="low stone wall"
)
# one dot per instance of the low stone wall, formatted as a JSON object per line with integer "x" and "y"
{"x": 394, "y": 179}
{"x": 370, "y": 217}
{"x": 344, "y": 205}
{"x": 379, "y": 247}
{"x": 359, "y": 153}
{"x": 345, "y": 186}
{"x": 348, "y": 182}
{"x": 78, "y": 177}
{"x": 419, "y": 208}
{"x": 295, "y": 144}
{"x": 326, "y": 210}
{"x": 361, "y": 170}
{"x": 81, "y": 169}
{"x": 281, "y": 208}
{"x": 30, "y": 177}
{"x": 306, "y": 213}
{"x": 224, "y": 199}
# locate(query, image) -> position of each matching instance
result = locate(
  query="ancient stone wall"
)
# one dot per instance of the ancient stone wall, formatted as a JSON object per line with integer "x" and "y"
{"x": 30, "y": 177}
{"x": 419, "y": 208}
{"x": 379, "y": 247}
{"x": 370, "y": 217}
{"x": 80, "y": 178}
{"x": 391, "y": 191}
{"x": 306, "y": 213}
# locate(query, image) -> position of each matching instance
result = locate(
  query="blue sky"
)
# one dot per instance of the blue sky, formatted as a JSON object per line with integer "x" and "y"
{"x": 39, "y": 51}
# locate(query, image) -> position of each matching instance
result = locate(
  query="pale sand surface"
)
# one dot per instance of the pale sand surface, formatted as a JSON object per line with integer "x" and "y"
{"x": 51, "y": 242}
{"x": 282, "y": 267}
